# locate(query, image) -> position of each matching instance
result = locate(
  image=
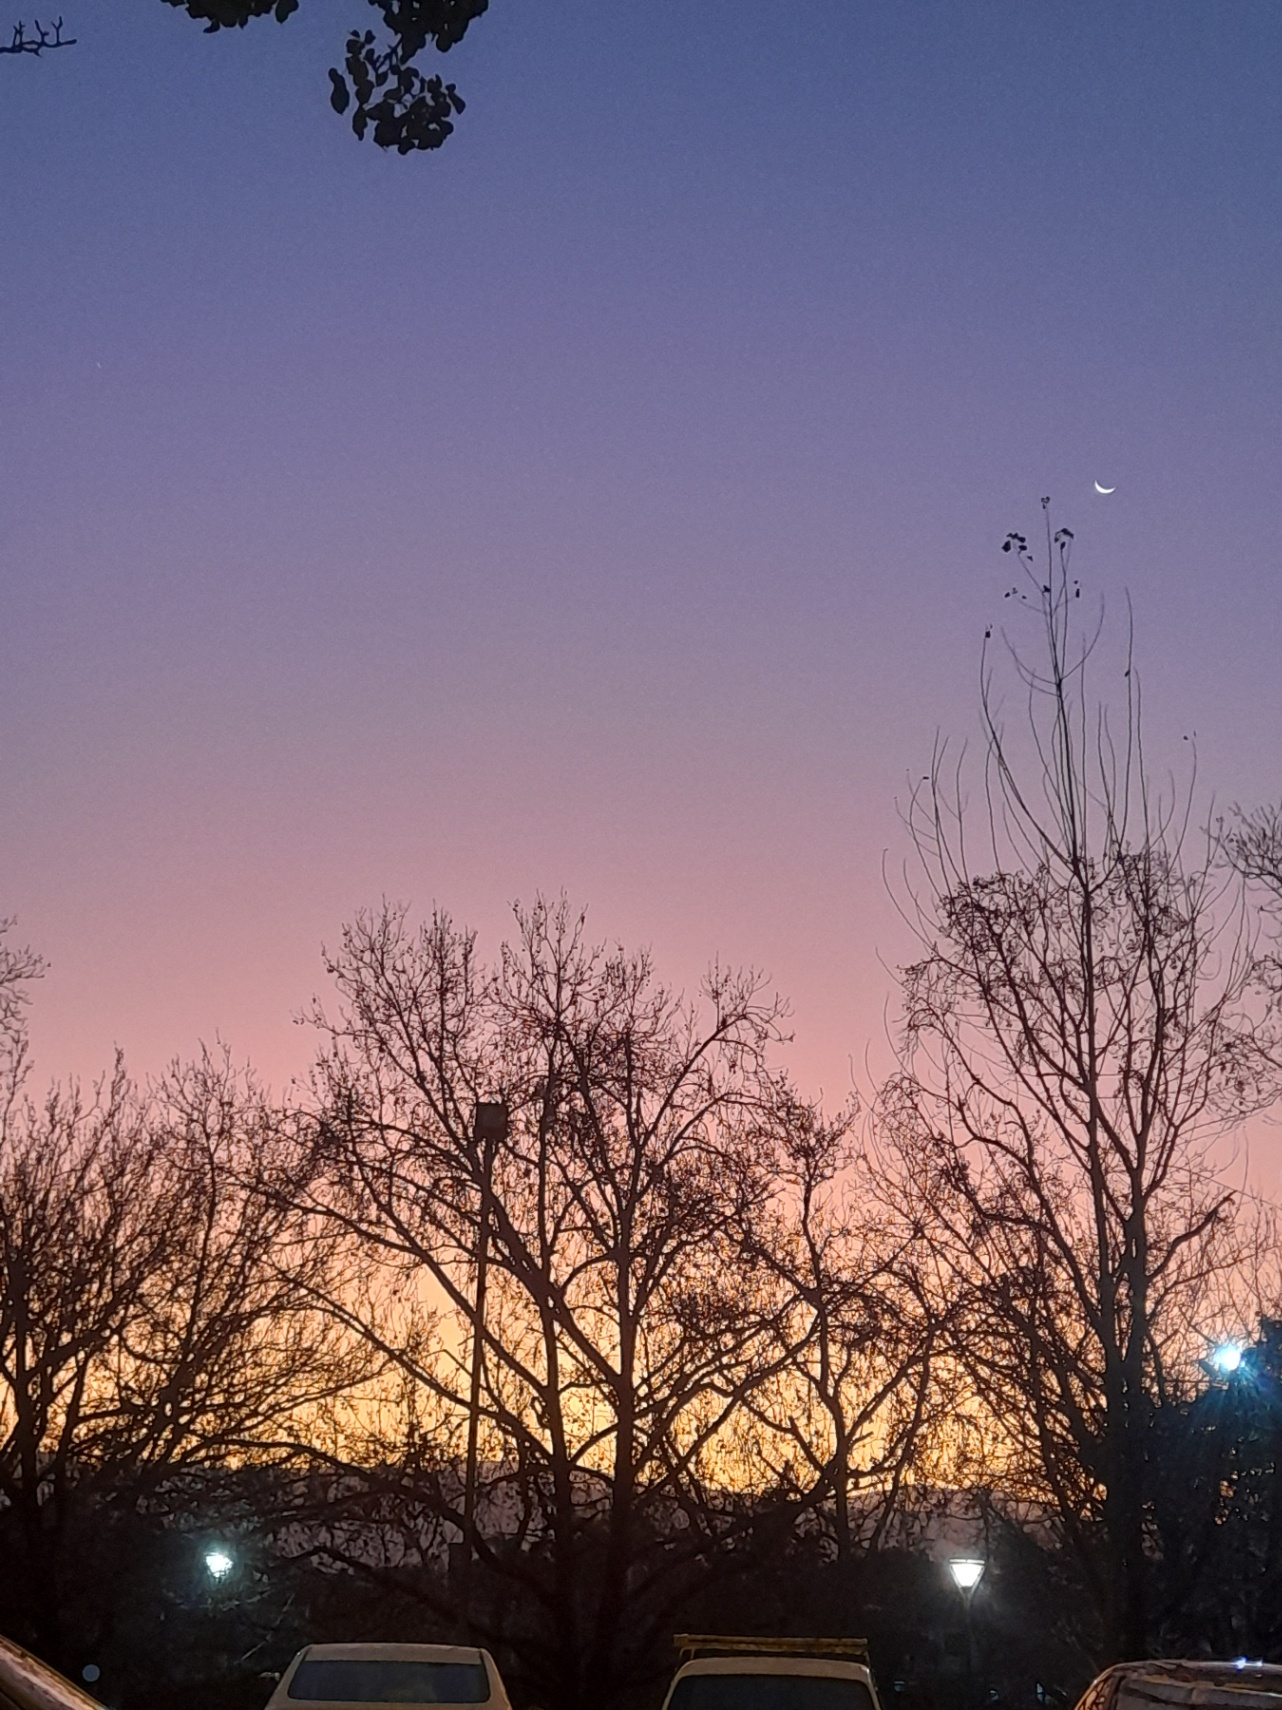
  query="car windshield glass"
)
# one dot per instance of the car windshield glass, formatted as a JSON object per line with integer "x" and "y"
{"x": 388, "y": 1680}
{"x": 770, "y": 1692}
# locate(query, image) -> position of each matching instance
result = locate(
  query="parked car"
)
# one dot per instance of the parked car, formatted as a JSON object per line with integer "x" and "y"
{"x": 336, "y": 1677}
{"x": 721, "y": 1673}
{"x": 1177, "y": 1684}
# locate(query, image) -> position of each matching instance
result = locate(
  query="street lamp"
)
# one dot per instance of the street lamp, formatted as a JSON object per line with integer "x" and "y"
{"x": 1227, "y": 1358}
{"x": 218, "y": 1563}
{"x": 967, "y": 1571}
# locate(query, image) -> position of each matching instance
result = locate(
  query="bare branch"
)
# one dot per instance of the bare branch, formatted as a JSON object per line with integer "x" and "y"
{"x": 35, "y": 44}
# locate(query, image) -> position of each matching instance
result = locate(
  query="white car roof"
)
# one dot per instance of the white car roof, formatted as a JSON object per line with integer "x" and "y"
{"x": 376, "y": 1650}
{"x": 834, "y": 1668}
{"x": 379, "y": 1651}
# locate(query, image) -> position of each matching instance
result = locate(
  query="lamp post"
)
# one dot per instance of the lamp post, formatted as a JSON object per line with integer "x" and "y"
{"x": 489, "y": 1131}
{"x": 967, "y": 1571}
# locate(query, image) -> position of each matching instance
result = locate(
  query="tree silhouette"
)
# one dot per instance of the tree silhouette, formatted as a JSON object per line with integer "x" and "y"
{"x": 157, "y": 1304}
{"x": 391, "y": 99}
{"x": 626, "y": 1314}
{"x": 858, "y": 1393}
{"x": 1078, "y": 1037}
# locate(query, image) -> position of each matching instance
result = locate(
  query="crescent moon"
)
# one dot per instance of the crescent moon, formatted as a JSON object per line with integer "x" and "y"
{"x": 1100, "y": 489}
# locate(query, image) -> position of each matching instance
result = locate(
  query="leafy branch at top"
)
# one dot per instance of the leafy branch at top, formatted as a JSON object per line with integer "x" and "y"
{"x": 389, "y": 97}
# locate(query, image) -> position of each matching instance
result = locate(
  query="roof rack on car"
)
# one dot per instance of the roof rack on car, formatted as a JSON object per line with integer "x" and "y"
{"x": 691, "y": 1645}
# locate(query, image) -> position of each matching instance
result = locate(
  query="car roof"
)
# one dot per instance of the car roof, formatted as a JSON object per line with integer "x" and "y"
{"x": 1196, "y": 1665}
{"x": 834, "y": 1668}
{"x": 378, "y": 1650}
{"x": 1185, "y": 1681}
{"x": 383, "y": 1651}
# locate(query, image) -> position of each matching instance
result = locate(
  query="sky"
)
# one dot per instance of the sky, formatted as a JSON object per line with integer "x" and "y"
{"x": 611, "y": 501}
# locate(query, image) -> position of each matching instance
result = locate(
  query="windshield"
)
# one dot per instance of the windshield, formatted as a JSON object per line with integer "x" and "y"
{"x": 388, "y": 1680}
{"x": 769, "y": 1692}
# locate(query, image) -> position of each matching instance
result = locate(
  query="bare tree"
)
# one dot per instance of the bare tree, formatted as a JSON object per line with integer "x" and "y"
{"x": 1077, "y": 1039}
{"x": 1253, "y": 844}
{"x": 625, "y": 1319}
{"x": 844, "y": 1423}
{"x": 158, "y": 1300}
{"x": 74, "y": 1255}
{"x": 19, "y": 967}
{"x": 227, "y": 1352}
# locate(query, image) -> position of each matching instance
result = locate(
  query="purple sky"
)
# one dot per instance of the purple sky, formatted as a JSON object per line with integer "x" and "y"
{"x": 610, "y": 501}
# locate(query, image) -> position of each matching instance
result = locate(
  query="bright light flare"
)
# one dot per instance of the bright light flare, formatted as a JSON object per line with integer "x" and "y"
{"x": 967, "y": 1571}
{"x": 1227, "y": 1358}
{"x": 219, "y": 1563}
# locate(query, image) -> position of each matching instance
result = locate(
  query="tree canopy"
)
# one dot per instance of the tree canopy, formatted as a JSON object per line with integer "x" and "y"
{"x": 391, "y": 100}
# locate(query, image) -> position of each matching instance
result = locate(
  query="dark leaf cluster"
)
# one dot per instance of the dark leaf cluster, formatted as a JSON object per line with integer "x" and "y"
{"x": 403, "y": 109}
{"x": 396, "y": 104}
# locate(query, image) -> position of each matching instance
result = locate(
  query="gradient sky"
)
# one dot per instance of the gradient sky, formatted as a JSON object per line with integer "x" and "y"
{"x": 610, "y": 501}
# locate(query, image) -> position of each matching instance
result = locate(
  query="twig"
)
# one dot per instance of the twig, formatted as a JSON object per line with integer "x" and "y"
{"x": 42, "y": 39}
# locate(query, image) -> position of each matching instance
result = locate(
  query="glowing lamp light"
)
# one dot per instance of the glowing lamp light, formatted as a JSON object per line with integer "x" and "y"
{"x": 1227, "y": 1358}
{"x": 219, "y": 1563}
{"x": 967, "y": 1571}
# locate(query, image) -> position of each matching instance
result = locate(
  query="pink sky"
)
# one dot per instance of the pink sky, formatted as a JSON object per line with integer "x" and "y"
{"x": 610, "y": 503}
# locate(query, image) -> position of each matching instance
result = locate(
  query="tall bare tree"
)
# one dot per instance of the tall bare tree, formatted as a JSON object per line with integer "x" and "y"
{"x": 157, "y": 1300}
{"x": 1077, "y": 1040}
{"x": 625, "y": 1317}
